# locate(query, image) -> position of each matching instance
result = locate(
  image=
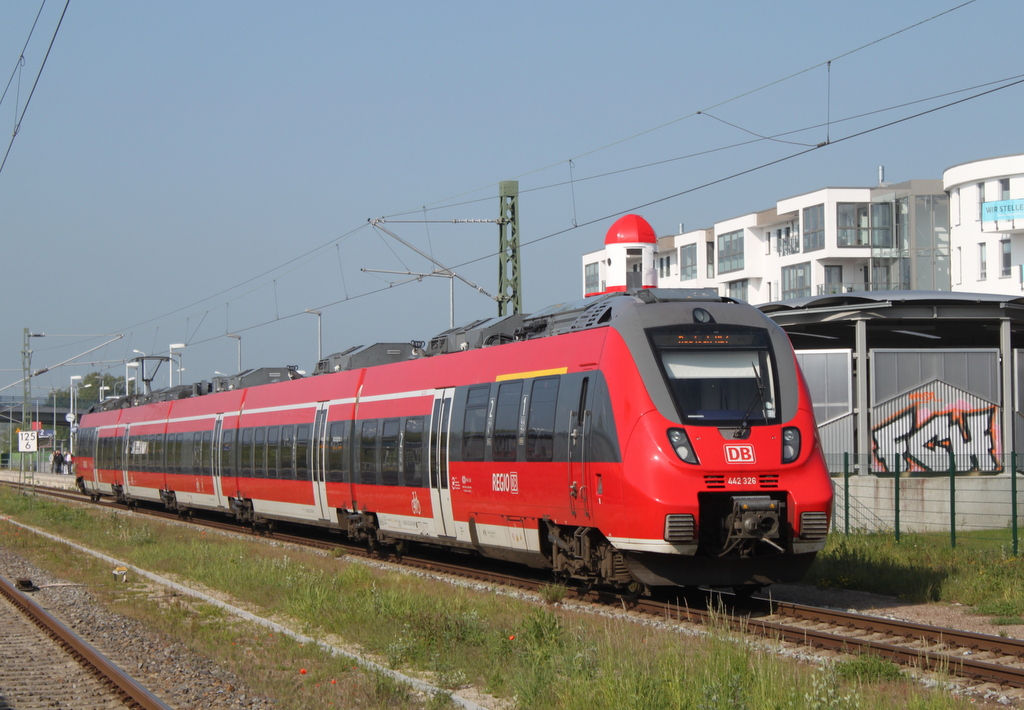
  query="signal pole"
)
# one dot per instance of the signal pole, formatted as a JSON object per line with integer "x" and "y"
{"x": 509, "y": 275}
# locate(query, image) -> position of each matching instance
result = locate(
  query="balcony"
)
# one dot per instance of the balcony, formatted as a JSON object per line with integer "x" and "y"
{"x": 852, "y": 287}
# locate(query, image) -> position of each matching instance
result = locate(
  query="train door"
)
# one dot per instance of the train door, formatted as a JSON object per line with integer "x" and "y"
{"x": 127, "y": 449}
{"x": 580, "y": 494}
{"x": 320, "y": 460}
{"x": 440, "y": 493}
{"x": 215, "y": 460}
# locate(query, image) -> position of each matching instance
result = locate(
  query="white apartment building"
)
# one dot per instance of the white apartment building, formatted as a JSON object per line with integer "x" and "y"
{"x": 832, "y": 240}
{"x": 986, "y": 214}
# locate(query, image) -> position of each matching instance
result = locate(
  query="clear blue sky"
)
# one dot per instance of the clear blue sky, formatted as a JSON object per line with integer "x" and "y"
{"x": 190, "y": 169}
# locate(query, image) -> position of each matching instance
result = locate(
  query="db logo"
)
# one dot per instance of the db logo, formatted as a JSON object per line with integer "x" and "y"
{"x": 739, "y": 453}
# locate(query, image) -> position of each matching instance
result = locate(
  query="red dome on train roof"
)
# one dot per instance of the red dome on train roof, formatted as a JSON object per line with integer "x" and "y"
{"x": 631, "y": 229}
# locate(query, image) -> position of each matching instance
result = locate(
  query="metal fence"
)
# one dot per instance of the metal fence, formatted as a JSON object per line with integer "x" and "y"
{"x": 914, "y": 497}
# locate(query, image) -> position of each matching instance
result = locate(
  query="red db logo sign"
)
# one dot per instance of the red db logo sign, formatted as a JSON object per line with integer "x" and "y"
{"x": 739, "y": 453}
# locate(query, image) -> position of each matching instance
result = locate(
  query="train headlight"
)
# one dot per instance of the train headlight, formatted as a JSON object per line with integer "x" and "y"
{"x": 790, "y": 444}
{"x": 681, "y": 445}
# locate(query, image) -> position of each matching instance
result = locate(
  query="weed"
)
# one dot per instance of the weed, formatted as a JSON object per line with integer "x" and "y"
{"x": 867, "y": 668}
{"x": 552, "y": 593}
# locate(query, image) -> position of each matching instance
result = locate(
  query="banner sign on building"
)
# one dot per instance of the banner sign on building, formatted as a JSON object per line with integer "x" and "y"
{"x": 1002, "y": 209}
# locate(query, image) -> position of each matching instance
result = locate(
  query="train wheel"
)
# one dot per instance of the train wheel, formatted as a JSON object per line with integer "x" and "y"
{"x": 635, "y": 589}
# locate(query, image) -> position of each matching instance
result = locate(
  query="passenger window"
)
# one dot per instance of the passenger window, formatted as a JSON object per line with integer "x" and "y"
{"x": 302, "y": 452}
{"x": 287, "y": 452}
{"x": 506, "y": 422}
{"x": 368, "y": 452}
{"x": 273, "y": 452}
{"x": 245, "y": 454}
{"x": 337, "y": 466}
{"x": 206, "y": 454}
{"x": 540, "y": 427}
{"x": 259, "y": 454}
{"x": 412, "y": 452}
{"x": 474, "y": 422}
{"x": 389, "y": 452}
{"x": 227, "y": 463}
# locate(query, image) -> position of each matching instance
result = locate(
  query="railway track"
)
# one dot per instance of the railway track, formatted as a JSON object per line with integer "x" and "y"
{"x": 44, "y": 664}
{"x": 962, "y": 658}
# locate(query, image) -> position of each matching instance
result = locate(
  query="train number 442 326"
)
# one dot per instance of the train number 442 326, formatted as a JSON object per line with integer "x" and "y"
{"x": 741, "y": 481}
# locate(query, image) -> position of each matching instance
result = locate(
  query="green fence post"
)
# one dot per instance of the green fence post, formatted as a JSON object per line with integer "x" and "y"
{"x": 896, "y": 496}
{"x": 952, "y": 500}
{"x": 846, "y": 492}
{"x": 1013, "y": 499}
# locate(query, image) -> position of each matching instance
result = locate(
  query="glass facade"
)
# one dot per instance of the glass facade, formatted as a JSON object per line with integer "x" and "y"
{"x": 688, "y": 262}
{"x": 738, "y": 289}
{"x": 796, "y": 280}
{"x": 591, "y": 278}
{"x": 730, "y": 251}
{"x": 814, "y": 228}
{"x": 852, "y": 224}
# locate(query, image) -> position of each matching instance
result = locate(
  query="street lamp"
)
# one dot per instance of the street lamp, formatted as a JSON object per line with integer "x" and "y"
{"x": 71, "y": 434}
{"x": 103, "y": 388}
{"x": 135, "y": 366}
{"x": 319, "y": 335}
{"x": 170, "y": 351}
{"x": 239, "y": 339}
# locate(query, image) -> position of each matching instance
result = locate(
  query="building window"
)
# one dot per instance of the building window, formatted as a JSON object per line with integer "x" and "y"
{"x": 688, "y": 262}
{"x": 738, "y": 289}
{"x": 982, "y": 261}
{"x": 1004, "y": 189}
{"x": 833, "y": 279}
{"x": 730, "y": 251}
{"x": 591, "y": 278}
{"x": 852, "y": 224}
{"x": 711, "y": 259}
{"x": 814, "y": 228}
{"x": 789, "y": 242}
{"x": 981, "y": 199}
{"x": 664, "y": 267}
{"x": 881, "y": 224}
{"x": 1005, "y": 267}
{"x": 796, "y": 280}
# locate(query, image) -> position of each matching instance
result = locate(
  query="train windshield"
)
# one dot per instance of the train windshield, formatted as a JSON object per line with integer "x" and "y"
{"x": 719, "y": 376}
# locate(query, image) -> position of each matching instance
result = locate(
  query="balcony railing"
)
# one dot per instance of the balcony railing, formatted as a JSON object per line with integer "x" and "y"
{"x": 851, "y": 287}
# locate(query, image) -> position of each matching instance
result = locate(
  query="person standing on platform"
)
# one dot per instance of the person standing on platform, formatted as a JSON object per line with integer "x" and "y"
{"x": 69, "y": 464}
{"x": 58, "y": 462}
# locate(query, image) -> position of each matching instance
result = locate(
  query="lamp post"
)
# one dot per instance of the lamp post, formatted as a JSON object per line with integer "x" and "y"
{"x": 134, "y": 365}
{"x": 74, "y": 418}
{"x": 239, "y": 339}
{"x": 319, "y": 335}
{"x": 170, "y": 351}
{"x": 103, "y": 388}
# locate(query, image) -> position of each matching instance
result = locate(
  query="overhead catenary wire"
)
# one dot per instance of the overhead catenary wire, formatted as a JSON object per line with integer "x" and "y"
{"x": 17, "y": 125}
{"x": 639, "y": 206}
{"x": 573, "y": 179}
{"x": 303, "y": 258}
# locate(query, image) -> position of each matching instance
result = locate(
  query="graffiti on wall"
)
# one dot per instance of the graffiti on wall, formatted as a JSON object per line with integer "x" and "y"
{"x": 919, "y": 438}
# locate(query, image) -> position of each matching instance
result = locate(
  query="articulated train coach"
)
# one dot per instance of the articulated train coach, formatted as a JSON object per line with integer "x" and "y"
{"x": 643, "y": 438}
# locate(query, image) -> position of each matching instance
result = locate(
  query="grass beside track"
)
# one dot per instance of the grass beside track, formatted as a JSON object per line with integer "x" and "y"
{"x": 528, "y": 654}
{"x": 981, "y": 572}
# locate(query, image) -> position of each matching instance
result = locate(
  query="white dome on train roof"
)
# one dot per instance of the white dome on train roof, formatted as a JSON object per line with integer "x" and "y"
{"x": 631, "y": 229}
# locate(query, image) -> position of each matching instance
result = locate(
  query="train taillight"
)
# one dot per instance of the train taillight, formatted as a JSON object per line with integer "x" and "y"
{"x": 681, "y": 445}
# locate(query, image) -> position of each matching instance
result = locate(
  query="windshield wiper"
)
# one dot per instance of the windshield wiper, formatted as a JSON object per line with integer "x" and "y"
{"x": 744, "y": 431}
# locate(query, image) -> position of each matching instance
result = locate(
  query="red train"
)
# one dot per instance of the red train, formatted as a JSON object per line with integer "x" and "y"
{"x": 655, "y": 437}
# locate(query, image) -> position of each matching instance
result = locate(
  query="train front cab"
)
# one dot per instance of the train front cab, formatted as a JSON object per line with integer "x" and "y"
{"x": 724, "y": 466}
